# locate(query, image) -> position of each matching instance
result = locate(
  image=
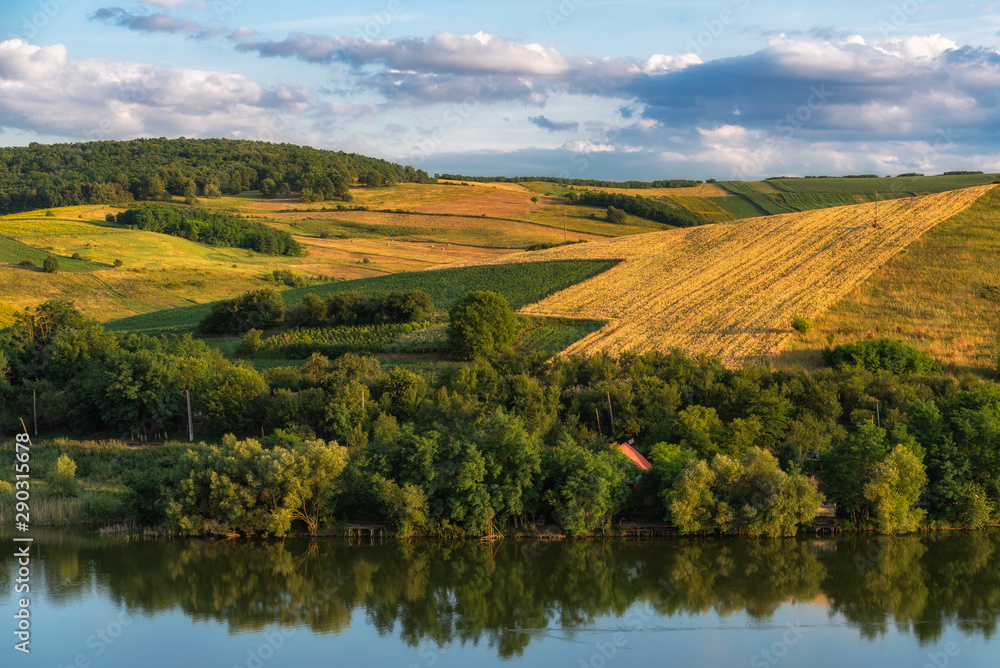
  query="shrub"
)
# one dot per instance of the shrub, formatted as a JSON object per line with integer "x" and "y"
{"x": 51, "y": 264}
{"x": 801, "y": 324}
{"x": 256, "y": 309}
{"x": 76, "y": 256}
{"x": 62, "y": 479}
{"x": 479, "y": 323}
{"x": 118, "y": 262}
{"x": 6, "y": 489}
{"x": 250, "y": 344}
{"x": 616, "y": 216}
{"x": 26, "y": 263}
{"x": 878, "y": 354}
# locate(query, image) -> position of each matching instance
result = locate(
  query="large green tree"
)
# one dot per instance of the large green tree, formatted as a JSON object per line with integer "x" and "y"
{"x": 480, "y": 323}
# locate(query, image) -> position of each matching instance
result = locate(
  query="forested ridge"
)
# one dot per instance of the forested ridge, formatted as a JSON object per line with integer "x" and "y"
{"x": 41, "y": 176}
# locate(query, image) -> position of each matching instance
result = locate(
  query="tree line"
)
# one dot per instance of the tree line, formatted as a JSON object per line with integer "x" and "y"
{"x": 636, "y": 205}
{"x": 41, "y": 176}
{"x": 214, "y": 229}
{"x": 595, "y": 183}
{"x": 502, "y": 440}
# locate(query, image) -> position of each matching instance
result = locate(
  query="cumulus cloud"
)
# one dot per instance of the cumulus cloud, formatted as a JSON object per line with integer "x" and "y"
{"x": 554, "y": 126}
{"x": 43, "y": 90}
{"x": 900, "y": 88}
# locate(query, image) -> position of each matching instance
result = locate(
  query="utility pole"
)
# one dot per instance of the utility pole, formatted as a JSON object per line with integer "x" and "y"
{"x": 190, "y": 421}
{"x": 611, "y": 413}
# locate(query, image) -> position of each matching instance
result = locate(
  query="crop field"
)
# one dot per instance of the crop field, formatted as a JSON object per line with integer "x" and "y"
{"x": 811, "y": 201}
{"x": 898, "y": 184}
{"x": 731, "y": 289}
{"x": 438, "y": 229}
{"x": 552, "y": 335}
{"x": 765, "y": 201}
{"x": 739, "y": 207}
{"x": 702, "y": 190}
{"x": 301, "y": 342}
{"x": 941, "y": 295}
{"x": 703, "y": 206}
{"x": 520, "y": 283}
{"x": 493, "y": 203}
{"x": 580, "y": 221}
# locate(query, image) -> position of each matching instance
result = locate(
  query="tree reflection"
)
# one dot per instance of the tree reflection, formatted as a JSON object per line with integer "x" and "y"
{"x": 505, "y": 594}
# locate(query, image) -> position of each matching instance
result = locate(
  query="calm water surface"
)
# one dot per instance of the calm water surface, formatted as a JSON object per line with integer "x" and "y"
{"x": 930, "y": 600}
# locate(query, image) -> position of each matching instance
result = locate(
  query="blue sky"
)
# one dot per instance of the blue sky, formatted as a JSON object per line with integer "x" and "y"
{"x": 578, "y": 88}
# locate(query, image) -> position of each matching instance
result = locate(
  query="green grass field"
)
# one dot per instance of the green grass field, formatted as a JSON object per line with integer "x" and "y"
{"x": 520, "y": 283}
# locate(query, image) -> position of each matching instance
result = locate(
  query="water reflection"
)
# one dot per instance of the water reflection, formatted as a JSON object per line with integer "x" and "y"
{"x": 503, "y": 594}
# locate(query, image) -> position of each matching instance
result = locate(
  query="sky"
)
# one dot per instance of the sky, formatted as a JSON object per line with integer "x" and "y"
{"x": 726, "y": 89}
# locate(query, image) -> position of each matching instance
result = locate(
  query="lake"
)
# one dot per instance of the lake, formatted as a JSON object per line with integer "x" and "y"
{"x": 852, "y": 600}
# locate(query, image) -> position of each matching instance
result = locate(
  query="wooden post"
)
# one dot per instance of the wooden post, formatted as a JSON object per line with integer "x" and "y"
{"x": 597, "y": 412}
{"x": 34, "y": 409}
{"x": 362, "y": 399}
{"x": 190, "y": 421}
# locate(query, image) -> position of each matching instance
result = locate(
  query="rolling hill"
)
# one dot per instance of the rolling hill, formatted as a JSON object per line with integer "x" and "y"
{"x": 731, "y": 289}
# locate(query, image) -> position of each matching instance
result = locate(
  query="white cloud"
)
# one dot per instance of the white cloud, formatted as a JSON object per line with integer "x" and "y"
{"x": 917, "y": 47}
{"x": 42, "y": 90}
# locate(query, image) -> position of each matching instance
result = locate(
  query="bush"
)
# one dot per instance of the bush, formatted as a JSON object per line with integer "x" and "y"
{"x": 878, "y": 354}
{"x": 51, "y": 264}
{"x": 6, "y": 489}
{"x": 62, "y": 479}
{"x": 479, "y": 323}
{"x": 118, "y": 262}
{"x": 616, "y": 216}
{"x": 256, "y": 309}
{"x": 801, "y": 325}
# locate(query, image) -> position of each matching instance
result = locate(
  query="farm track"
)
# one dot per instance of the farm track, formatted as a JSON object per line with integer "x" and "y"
{"x": 731, "y": 289}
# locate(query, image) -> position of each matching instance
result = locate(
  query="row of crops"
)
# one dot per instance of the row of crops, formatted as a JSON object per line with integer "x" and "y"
{"x": 299, "y": 343}
{"x": 768, "y": 204}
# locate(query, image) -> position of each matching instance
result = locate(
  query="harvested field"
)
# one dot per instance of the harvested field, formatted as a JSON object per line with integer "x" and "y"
{"x": 731, "y": 289}
{"x": 499, "y": 185}
{"x": 464, "y": 230}
{"x": 495, "y": 203}
{"x": 383, "y": 255}
{"x": 702, "y": 190}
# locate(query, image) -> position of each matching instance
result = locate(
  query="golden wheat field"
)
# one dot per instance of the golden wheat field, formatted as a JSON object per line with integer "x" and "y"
{"x": 732, "y": 289}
